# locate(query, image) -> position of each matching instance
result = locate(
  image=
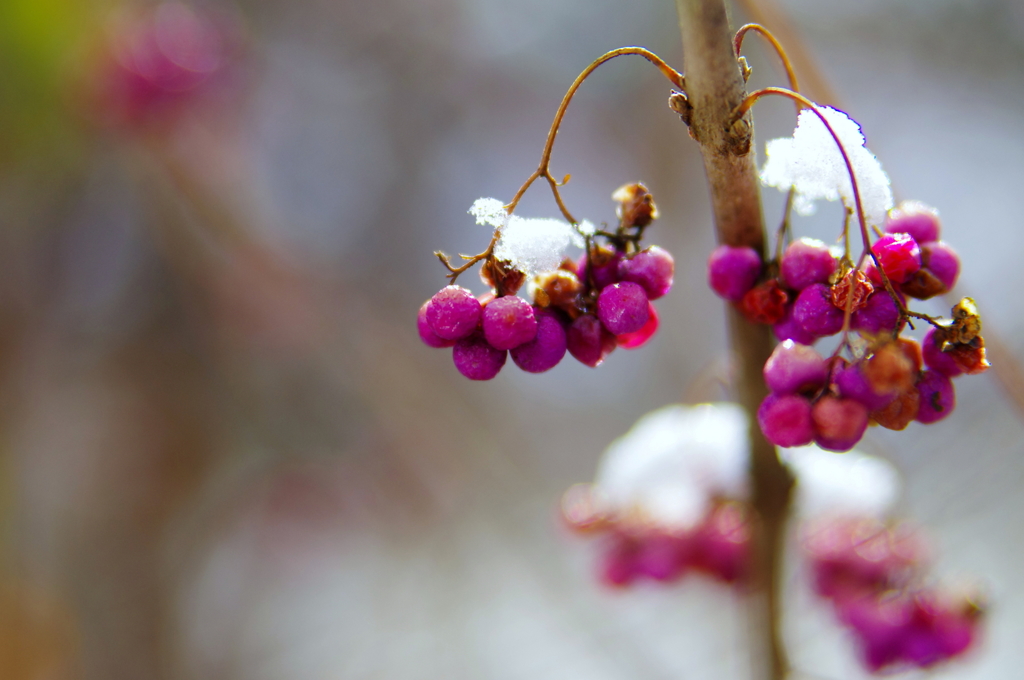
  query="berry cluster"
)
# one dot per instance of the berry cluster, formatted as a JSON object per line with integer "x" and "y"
{"x": 160, "y": 61}
{"x": 888, "y": 380}
{"x": 586, "y": 307}
{"x": 870, "y": 572}
{"x": 717, "y": 546}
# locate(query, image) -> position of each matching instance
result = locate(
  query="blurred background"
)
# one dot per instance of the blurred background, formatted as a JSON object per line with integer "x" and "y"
{"x": 224, "y": 453}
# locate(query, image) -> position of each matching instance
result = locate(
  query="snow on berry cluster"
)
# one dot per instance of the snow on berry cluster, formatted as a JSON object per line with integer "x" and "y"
{"x": 586, "y": 307}
{"x": 670, "y": 498}
{"x": 812, "y": 291}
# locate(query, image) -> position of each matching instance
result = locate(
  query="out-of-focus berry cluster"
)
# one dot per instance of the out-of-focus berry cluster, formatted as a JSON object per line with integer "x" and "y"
{"x": 159, "y": 62}
{"x": 872, "y": 574}
{"x": 887, "y": 380}
{"x": 586, "y": 307}
{"x": 669, "y": 499}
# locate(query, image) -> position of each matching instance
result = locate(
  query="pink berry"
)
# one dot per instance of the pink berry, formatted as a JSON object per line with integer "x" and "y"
{"x": 879, "y": 314}
{"x": 806, "y": 261}
{"x": 899, "y": 255}
{"x": 547, "y": 348}
{"x": 838, "y": 423}
{"x": 935, "y": 358}
{"x": 622, "y": 307}
{"x": 793, "y": 367}
{"x": 880, "y": 623}
{"x": 721, "y": 544}
{"x": 588, "y": 341}
{"x": 640, "y": 337}
{"x": 942, "y": 261}
{"x": 652, "y": 268}
{"x": 815, "y": 313}
{"x": 733, "y": 271}
{"x": 428, "y": 336}
{"x": 619, "y": 559}
{"x": 785, "y": 420}
{"x": 453, "y": 313}
{"x": 662, "y": 556}
{"x": 476, "y": 359}
{"x": 508, "y": 322}
{"x": 915, "y": 218}
{"x": 938, "y": 398}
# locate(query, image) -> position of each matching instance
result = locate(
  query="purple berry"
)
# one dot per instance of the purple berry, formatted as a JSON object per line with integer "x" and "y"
{"x": 652, "y": 268}
{"x": 942, "y": 261}
{"x": 662, "y": 556}
{"x": 622, "y": 307}
{"x": 640, "y": 337}
{"x": 453, "y": 313}
{"x": 851, "y": 383}
{"x": 429, "y": 337}
{"x": 899, "y": 255}
{"x": 938, "y": 399}
{"x": 878, "y": 315}
{"x": 588, "y": 341}
{"x": 815, "y": 313}
{"x": 838, "y": 423}
{"x": 476, "y": 359}
{"x": 935, "y": 358}
{"x": 788, "y": 329}
{"x": 914, "y": 218}
{"x": 509, "y": 322}
{"x": 733, "y": 271}
{"x": 606, "y": 267}
{"x": 721, "y": 544}
{"x": 806, "y": 261}
{"x": 793, "y": 367}
{"x": 785, "y": 420}
{"x": 547, "y": 348}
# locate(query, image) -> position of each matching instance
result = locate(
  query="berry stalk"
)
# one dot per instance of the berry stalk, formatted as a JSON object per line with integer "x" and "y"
{"x": 714, "y": 88}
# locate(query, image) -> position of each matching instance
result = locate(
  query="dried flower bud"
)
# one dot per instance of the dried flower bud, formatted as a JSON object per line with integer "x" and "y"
{"x": 922, "y": 285}
{"x": 765, "y": 303}
{"x": 861, "y": 287}
{"x": 559, "y": 288}
{"x": 502, "y": 276}
{"x": 900, "y": 412}
{"x": 636, "y": 205}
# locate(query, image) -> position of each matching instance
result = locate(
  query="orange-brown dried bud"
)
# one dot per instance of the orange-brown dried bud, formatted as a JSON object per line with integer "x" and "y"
{"x": 559, "y": 288}
{"x": 636, "y": 205}
{"x": 970, "y": 357}
{"x": 856, "y": 281}
{"x": 912, "y": 350}
{"x": 923, "y": 285}
{"x": 890, "y": 370}
{"x": 502, "y": 276}
{"x": 900, "y": 412}
{"x": 966, "y": 324}
{"x": 765, "y": 303}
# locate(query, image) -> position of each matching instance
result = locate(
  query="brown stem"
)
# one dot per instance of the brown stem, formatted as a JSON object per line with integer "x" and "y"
{"x": 543, "y": 168}
{"x": 714, "y": 87}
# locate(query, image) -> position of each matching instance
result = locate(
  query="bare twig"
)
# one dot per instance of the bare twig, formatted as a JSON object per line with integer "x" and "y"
{"x": 714, "y": 87}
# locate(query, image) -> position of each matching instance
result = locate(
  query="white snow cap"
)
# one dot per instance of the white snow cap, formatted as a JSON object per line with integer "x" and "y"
{"x": 849, "y": 483}
{"x": 811, "y": 162}
{"x": 673, "y": 460}
{"x": 532, "y": 245}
